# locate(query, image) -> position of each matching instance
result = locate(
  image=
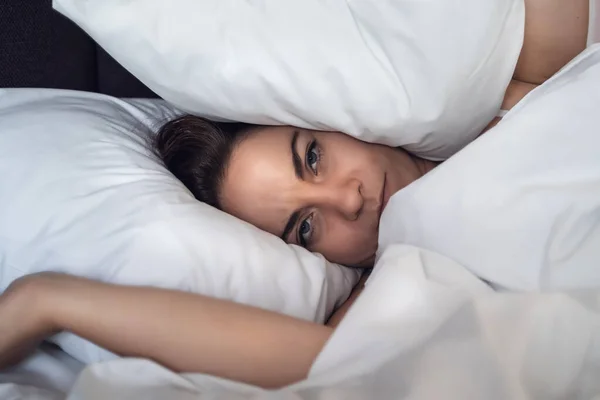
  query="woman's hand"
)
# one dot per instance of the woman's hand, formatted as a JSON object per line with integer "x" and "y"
{"x": 24, "y": 322}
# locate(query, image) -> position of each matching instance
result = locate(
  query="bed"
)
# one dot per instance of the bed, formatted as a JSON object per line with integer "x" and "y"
{"x": 426, "y": 326}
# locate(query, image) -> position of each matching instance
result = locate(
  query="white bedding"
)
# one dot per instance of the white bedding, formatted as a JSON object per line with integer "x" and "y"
{"x": 427, "y": 75}
{"x": 427, "y": 327}
{"x": 47, "y": 375}
{"x": 519, "y": 207}
{"x": 112, "y": 212}
{"x": 424, "y": 328}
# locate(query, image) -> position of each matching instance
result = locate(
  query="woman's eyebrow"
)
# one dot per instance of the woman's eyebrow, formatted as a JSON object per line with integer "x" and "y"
{"x": 296, "y": 161}
{"x": 290, "y": 225}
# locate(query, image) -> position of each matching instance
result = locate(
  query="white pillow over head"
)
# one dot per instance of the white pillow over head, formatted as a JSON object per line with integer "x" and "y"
{"x": 427, "y": 75}
{"x": 519, "y": 207}
{"x": 81, "y": 193}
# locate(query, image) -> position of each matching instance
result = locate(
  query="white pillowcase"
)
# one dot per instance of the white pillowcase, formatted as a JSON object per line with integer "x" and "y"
{"x": 519, "y": 207}
{"x": 427, "y": 75}
{"x": 81, "y": 193}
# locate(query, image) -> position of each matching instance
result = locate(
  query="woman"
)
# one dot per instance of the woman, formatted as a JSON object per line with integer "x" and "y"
{"x": 324, "y": 191}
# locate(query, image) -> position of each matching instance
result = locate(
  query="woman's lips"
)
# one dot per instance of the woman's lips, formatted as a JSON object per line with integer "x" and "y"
{"x": 384, "y": 196}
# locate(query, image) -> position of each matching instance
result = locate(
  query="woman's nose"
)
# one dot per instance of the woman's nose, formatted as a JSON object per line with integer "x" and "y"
{"x": 346, "y": 198}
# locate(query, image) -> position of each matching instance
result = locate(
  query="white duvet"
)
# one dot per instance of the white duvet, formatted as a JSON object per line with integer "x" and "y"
{"x": 424, "y": 328}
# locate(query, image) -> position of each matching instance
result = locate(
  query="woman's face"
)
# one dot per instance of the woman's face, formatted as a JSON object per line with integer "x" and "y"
{"x": 321, "y": 190}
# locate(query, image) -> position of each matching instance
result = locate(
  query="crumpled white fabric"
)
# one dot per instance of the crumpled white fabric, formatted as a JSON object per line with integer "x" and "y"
{"x": 428, "y": 75}
{"x": 48, "y": 374}
{"x": 424, "y": 328}
{"x": 520, "y": 206}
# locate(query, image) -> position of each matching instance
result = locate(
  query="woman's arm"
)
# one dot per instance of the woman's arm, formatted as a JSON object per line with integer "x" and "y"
{"x": 182, "y": 331}
{"x": 555, "y": 33}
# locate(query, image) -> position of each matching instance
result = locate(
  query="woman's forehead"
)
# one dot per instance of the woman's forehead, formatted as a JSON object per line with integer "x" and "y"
{"x": 259, "y": 178}
{"x": 263, "y": 154}
{"x": 266, "y": 138}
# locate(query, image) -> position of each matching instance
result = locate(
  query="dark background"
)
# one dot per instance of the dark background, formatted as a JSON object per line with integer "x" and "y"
{"x": 41, "y": 48}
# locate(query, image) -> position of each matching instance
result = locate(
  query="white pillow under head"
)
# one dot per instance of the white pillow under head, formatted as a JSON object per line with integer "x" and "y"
{"x": 81, "y": 193}
{"x": 427, "y": 75}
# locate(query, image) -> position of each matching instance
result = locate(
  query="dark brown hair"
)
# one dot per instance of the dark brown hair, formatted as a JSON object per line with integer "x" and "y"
{"x": 197, "y": 152}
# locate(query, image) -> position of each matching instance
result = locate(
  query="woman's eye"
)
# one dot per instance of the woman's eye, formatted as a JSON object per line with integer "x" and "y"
{"x": 312, "y": 157}
{"x": 305, "y": 231}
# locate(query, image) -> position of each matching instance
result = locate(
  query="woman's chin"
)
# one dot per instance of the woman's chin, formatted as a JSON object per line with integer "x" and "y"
{"x": 367, "y": 263}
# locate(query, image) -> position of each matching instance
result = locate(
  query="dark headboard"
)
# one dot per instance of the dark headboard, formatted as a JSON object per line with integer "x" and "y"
{"x": 41, "y": 48}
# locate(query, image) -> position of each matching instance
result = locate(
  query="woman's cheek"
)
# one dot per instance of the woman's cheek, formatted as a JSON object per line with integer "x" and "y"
{"x": 349, "y": 247}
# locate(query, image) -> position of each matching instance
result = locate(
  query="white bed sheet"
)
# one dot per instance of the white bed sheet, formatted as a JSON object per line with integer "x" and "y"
{"x": 46, "y": 375}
